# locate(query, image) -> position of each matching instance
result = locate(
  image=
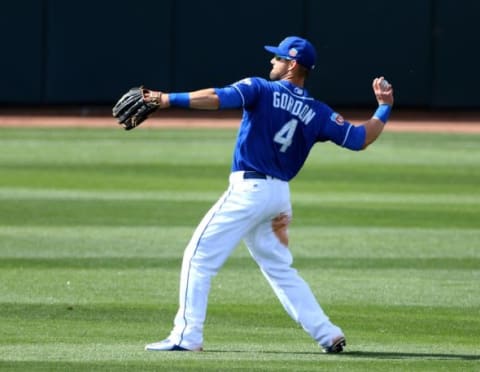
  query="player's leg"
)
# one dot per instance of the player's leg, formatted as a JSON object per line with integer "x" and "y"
{"x": 204, "y": 255}
{"x": 275, "y": 260}
{"x": 212, "y": 242}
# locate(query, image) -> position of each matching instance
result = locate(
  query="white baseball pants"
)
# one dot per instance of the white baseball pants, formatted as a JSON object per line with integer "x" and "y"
{"x": 245, "y": 211}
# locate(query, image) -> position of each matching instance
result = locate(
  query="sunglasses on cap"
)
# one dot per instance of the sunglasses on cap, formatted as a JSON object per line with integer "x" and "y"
{"x": 279, "y": 58}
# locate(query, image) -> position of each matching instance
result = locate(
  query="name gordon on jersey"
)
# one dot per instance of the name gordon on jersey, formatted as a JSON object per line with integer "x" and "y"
{"x": 295, "y": 106}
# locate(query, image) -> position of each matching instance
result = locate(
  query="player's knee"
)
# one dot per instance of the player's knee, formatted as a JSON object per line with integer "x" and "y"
{"x": 280, "y": 227}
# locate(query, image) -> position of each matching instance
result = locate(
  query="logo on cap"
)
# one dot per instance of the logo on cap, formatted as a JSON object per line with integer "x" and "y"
{"x": 293, "y": 52}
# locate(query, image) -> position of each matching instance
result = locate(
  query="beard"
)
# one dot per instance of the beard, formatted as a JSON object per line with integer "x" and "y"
{"x": 274, "y": 76}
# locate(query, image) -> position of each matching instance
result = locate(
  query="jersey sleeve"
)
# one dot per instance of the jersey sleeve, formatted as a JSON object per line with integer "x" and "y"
{"x": 229, "y": 98}
{"x": 242, "y": 93}
{"x": 341, "y": 132}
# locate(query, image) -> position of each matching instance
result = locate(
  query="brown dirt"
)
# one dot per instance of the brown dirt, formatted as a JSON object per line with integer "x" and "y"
{"x": 401, "y": 121}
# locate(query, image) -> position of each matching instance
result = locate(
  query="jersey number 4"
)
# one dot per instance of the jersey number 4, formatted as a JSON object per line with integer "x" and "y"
{"x": 285, "y": 135}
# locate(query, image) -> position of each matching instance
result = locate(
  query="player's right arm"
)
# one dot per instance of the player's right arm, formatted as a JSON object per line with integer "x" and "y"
{"x": 359, "y": 137}
{"x": 374, "y": 126}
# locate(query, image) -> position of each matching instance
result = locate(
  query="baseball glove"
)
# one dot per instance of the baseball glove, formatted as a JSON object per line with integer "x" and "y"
{"x": 131, "y": 110}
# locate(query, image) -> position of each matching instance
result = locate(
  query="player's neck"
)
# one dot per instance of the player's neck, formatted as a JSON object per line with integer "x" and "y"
{"x": 295, "y": 80}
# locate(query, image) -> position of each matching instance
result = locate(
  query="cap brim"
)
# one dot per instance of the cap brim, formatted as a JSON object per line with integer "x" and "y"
{"x": 276, "y": 50}
{"x": 272, "y": 49}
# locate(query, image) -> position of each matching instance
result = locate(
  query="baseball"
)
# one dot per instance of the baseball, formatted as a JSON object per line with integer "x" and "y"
{"x": 384, "y": 84}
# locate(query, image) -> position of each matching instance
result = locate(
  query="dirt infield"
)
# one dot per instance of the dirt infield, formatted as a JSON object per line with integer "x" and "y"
{"x": 401, "y": 121}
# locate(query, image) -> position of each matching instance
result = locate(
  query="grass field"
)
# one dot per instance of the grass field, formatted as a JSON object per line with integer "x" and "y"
{"x": 93, "y": 223}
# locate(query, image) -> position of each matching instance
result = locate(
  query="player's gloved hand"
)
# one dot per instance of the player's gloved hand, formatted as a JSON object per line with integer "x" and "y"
{"x": 132, "y": 109}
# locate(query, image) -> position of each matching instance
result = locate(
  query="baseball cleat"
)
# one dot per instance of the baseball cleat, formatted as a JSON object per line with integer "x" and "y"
{"x": 167, "y": 345}
{"x": 337, "y": 346}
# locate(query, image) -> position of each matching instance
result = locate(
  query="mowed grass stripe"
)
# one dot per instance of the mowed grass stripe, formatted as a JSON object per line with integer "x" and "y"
{"x": 316, "y": 177}
{"x": 37, "y": 212}
{"x": 107, "y": 315}
{"x": 169, "y": 241}
{"x": 443, "y": 287}
{"x": 319, "y": 263}
{"x": 101, "y": 213}
{"x": 303, "y": 198}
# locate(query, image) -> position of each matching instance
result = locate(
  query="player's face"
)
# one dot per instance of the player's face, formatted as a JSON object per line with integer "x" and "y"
{"x": 279, "y": 68}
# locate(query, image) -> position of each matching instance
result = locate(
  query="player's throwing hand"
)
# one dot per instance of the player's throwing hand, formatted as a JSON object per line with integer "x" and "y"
{"x": 383, "y": 91}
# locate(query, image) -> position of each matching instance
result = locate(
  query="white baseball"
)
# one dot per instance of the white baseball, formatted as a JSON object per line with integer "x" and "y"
{"x": 384, "y": 84}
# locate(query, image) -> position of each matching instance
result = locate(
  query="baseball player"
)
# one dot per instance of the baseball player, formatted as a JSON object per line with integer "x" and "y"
{"x": 280, "y": 124}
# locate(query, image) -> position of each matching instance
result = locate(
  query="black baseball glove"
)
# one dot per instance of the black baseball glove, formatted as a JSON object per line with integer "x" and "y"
{"x": 132, "y": 109}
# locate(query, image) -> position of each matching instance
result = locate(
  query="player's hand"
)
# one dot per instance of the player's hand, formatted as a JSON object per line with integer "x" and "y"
{"x": 383, "y": 91}
{"x": 156, "y": 97}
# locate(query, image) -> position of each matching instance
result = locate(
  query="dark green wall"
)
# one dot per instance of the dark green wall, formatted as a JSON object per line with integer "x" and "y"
{"x": 22, "y": 58}
{"x": 90, "y": 52}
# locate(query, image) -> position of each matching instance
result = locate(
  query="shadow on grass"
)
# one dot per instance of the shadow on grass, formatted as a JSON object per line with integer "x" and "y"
{"x": 366, "y": 354}
{"x": 400, "y": 355}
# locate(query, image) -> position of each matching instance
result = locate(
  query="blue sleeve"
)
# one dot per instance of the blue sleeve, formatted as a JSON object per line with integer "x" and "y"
{"x": 343, "y": 133}
{"x": 229, "y": 97}
{"x": 355, "y": 138}
{"x": 240, "y": 94}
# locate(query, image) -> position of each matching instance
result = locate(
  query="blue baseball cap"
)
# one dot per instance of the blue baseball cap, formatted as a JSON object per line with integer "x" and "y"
{"x": 295, "y": 48}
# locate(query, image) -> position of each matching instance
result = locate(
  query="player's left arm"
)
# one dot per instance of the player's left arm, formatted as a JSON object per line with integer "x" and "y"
{"x": 233, "y": 96}
{"x": 203, "y": 99}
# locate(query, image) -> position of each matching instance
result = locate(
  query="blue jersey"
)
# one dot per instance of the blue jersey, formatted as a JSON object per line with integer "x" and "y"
{"x": 280, "y": 125}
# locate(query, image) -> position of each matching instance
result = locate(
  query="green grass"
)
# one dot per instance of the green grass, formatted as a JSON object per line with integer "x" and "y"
{"x": 93, "y": 223}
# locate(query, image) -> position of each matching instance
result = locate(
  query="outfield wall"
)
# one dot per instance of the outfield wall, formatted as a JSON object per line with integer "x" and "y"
{"x": 89, "y": 52}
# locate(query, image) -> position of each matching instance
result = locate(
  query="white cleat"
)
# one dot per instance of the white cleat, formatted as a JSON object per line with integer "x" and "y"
{"x": 167, "y": 345}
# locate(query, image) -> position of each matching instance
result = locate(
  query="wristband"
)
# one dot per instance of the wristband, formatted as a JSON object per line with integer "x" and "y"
{"x": 179, "y": 99}
{"x": 383, "y": 112}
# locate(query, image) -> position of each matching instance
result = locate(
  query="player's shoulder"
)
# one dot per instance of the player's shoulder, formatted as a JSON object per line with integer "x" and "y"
{"x": 323, "y": 106}
{"x": 324, "y": 110}
{"x": 251, "y": 87}
{"x": 251, "y": 81}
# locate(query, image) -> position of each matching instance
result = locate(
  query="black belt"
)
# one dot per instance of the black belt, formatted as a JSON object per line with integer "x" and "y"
{"x": 254, "y": 175}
